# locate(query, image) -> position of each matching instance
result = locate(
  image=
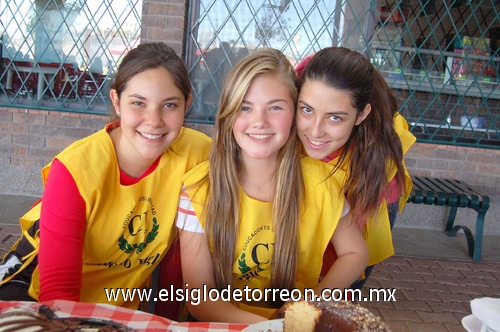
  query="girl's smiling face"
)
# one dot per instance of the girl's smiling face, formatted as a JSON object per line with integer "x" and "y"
{"x": 263, "y": 124}
{"x": 325, "y": 118}
{"x": 152, "y": 111}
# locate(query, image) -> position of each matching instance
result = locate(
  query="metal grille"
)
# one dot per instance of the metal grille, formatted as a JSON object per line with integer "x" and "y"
{"x": 441, "y": 57}
{"x": 62, "y": 54}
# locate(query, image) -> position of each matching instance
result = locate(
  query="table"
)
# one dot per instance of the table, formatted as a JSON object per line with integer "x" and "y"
{"x": 134, "y": 319}
{"x": 41, "y": 71}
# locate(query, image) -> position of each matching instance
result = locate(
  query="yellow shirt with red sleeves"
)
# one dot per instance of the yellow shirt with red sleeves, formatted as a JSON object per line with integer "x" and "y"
{"x": 255, "y": 243}
{"x": 129, "y": 228}
{"x": 377, "y": 230}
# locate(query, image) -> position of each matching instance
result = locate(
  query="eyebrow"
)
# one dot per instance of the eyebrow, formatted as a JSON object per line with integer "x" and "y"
{"x": 272, "y": 101}
{"x": 134, "y": 95}
{"x": 303, "y": 103}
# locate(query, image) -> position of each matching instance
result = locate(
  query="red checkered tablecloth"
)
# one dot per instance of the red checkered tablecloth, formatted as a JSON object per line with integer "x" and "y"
{"x": 134, "y": 319}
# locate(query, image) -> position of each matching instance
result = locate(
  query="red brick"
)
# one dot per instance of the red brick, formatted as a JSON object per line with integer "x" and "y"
{"x": 398, "y": 326}
{"x": 409, "y": 276}
{"x": 63, "y": 121}
{"x": 59, "y": 142}
{"x": 30, "y": 140}
{"x": 419, "y": 295}
{"x": 437, "y": 317}
{"x": 469, "y": 290}
{"x": 399, "y": 285}
{"x": 455, "y": 297}
{"x": 434, "y": 287}
{"x": 484, "y": 157}
{"x": 401, "y": 315}
{"x": 27, "y": 162}
{"x": 417, "y": 261}
{"x": 426, "y": 327}
{"x": 439, "y": 280}
{"x": 450, "y": 307}
{"x": 442, "y": 272}
{"x": 28, "y": 118}
{"x": 452, "y": 154}
{"x": 412, "y": 305}
{"x": 481, "y": 274}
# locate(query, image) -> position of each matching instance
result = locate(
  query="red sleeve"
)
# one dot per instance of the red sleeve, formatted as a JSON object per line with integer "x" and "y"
{"x": 62, "y": 226}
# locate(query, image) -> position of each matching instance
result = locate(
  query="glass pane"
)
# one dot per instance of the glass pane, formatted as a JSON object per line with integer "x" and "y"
{"x": 62, "y": 54}
{"x": 440, "y": 57}
{"x": 223, "y": 32}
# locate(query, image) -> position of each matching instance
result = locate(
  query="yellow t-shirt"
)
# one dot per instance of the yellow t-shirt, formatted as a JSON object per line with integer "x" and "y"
{"x": 129, "y": 228}
{"x": 323, "y": 205}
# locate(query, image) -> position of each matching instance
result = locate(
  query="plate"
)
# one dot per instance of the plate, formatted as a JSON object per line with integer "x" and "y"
{"x": 471, "y": 323}
{"x": 274, "y": 325}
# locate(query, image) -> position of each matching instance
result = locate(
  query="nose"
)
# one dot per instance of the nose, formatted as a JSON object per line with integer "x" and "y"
{"x": 317, "y": 128}
{"x": 153, "y": 116}
{"x": 259, "y": 118}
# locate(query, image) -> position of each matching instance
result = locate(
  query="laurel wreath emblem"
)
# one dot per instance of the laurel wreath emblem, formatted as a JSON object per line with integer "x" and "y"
{"x": 243, "y": 267}
{"x": 128, "y": 248}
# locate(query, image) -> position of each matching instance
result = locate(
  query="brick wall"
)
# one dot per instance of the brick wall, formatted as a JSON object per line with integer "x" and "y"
{"x": 164, "y": 21}
{"x": 478, "y": 167}
{"x": 29, "y": 139}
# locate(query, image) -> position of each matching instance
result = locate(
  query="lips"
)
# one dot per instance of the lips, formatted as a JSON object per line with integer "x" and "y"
{"x": 315, "y": 143}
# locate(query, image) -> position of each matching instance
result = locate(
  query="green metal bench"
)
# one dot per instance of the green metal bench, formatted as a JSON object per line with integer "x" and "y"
{"x": 455, "y": 194}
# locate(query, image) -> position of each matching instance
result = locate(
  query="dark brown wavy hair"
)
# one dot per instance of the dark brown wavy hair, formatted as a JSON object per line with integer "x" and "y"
{"x": 374, "y": 144}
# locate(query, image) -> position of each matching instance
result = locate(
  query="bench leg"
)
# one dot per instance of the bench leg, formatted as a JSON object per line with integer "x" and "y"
{"x": 478, "y": 247}
{"x": 451, "y": 218}
{"x": 468, "y": 235}
{"x": 475, "y": 247}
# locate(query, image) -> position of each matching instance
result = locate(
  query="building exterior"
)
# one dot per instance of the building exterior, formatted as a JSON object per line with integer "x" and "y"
{"x": 31, "y": 137}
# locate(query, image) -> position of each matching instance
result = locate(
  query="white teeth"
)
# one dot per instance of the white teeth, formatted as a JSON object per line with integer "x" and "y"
{"x": 313, "y": 142}
{"x": 150, "y": 136}
{"x": 263, "y": 136}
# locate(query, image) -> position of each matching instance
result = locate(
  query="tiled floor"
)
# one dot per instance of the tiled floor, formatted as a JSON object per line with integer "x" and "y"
{"x": 433, "y": 278}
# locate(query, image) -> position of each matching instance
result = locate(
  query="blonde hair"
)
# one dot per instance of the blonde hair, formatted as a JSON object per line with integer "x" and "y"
{"x": 222, "y": 209}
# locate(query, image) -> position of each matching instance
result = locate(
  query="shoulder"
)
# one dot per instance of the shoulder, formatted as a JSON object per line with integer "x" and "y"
{"x": 190, "y": 138}
{"x": 402, "y": 130}
{"x": 318, "y": 173}
{"x": 196, "y": 174}
{"x": 191, "y": 146}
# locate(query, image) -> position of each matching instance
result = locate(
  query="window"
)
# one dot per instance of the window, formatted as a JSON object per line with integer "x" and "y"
{"x": 62, "y": 54}
{"x": 439, "y": 56}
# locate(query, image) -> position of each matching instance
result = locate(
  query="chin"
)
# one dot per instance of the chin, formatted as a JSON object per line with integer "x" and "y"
{"x": 316, "y": 154}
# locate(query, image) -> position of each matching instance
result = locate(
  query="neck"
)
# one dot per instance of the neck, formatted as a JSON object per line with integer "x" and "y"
{"x": 258, "y": 179}
{"x": 133, "y": 167}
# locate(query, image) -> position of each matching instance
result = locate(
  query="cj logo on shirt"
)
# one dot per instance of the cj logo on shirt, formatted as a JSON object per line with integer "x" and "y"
{"x": 140, "y": 223}
{"x": 255, "y": 260}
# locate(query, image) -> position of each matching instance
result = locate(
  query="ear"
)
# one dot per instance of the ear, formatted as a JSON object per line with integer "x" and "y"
{"x": 115, "y": 100}
{"x": 188, "y": 102}
{"x": 363, "y": 114}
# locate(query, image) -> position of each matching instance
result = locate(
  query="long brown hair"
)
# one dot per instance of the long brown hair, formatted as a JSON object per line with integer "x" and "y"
{"x": 374, "y": 144}
{"x": 222, "y": 210}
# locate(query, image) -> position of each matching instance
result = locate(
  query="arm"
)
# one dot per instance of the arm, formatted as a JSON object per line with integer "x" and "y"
{"x": 197, "y": 271}
{"x": 352, "y": 255}
{"x": 62, "y": 226}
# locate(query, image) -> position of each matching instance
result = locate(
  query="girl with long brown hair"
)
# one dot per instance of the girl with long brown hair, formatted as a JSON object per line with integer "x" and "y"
{"x": 347, "y": 116}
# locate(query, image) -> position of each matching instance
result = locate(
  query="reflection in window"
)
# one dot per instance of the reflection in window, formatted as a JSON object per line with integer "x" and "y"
{"x": 222, "y": 32}
{"x": 62, "y": 54}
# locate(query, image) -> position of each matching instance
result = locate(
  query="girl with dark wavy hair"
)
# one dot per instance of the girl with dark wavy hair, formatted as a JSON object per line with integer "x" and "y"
{"x": 347, "y": 116}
